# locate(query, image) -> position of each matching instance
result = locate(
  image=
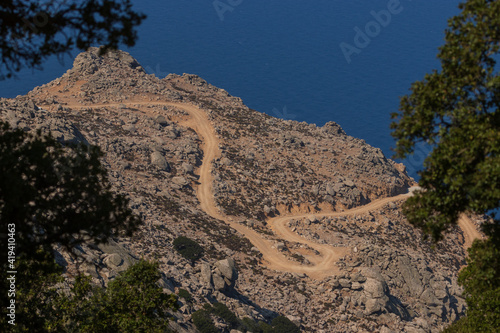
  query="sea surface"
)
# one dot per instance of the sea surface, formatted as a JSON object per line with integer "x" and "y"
{"x": 314, "y": 61}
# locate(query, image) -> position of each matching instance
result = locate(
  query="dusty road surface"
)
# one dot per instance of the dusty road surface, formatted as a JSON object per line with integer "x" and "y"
{"x": 323, "y": 265}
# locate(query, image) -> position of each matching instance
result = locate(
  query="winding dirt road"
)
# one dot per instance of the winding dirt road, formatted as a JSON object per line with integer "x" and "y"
{"x": 469, "y": 230}
{"x": 323, "y": 265}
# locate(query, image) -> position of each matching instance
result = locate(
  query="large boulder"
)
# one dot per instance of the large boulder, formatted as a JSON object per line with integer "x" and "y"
{"x": 161, "y": 120}
{"x": 374, "y": 288}
{"x": 180, "y": 181}
{"x": 375, "y": 291}
{"x": 116, "y": 257}
{"x": 221, "y": 277}
{"x": 160, "y": 161}
{"x": 411, "y": 276}
{"x": 219, "y": 282}
{"x": 206, "y": 274}
{"x": 227, "y": 267}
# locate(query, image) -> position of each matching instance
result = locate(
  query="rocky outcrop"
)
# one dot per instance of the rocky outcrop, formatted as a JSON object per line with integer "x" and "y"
{"x": 116, "y": 258}
{"x": 221, "y": 277}
{"x": 333, "y": 128}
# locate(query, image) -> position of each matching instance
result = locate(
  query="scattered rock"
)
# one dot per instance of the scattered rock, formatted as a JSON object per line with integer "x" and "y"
{"x": 160, "y": 161}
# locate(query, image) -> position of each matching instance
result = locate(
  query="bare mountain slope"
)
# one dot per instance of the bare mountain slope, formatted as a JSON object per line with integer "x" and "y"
{"x": 310, "y": 215}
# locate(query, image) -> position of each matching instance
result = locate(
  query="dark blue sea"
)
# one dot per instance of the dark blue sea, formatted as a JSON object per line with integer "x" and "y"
{"x": 314, "y": 61}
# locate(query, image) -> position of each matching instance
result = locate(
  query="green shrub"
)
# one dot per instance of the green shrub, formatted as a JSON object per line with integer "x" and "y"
{"x": 264, "y": 328}
{"x": 203, "y": 322}
{"x": 282, "y": 324}
{"x": 183, "y": 293}
{"x": 459, "y": 326}
{"x": 249, "y": 325}
{"x": 133, "y": 302}
{"x": 188, "y": 248}
{"x": 221, "y": 310}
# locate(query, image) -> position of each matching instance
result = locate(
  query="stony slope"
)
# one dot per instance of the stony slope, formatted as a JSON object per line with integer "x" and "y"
{"x": 260, "y": 169}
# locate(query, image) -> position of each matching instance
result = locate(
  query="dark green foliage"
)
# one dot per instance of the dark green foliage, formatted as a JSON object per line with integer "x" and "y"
{"x": 34, "y": 293}
{"x": 282, "y": 324}
{"x": 56, "y": 195}
{"x": 264, "y": 328}
{"x": 279, "y": 324}
{"x": 249, "y": 325}
{"x": 203, "y": 321}
{"x": 222, "y": 311}
{"x": 457, "y": 327}
{"x": 133, "y": 302}
{"x": 31, "y": 31}
{"x": 188, "y": 248}
{"x": 481, "y": 281}
{"x": 456, "y": 112}
{"x": 183, "y": 293}
{"x": 52, "y": 195}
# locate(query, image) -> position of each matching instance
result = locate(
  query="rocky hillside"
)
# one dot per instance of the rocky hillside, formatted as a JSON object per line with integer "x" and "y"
{"x": 302, "y": 221}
